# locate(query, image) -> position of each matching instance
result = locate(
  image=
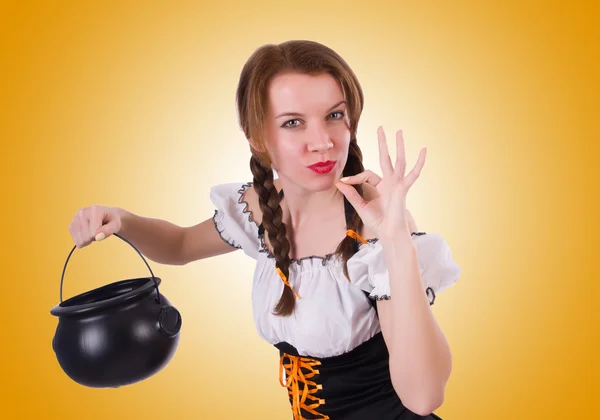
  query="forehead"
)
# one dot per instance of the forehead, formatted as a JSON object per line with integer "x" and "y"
{"x": 295, "y": 92}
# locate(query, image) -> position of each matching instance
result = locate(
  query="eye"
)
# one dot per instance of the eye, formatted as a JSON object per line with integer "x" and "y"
{"x": 286, "y": 124}
{"x": 338, "y": 112}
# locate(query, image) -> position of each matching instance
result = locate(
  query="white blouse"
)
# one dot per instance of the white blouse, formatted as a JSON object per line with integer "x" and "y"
{"x": 333, "y": 315}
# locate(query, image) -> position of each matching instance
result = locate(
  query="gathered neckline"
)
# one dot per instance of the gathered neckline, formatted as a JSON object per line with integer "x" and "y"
{"x": 324, "y": 259}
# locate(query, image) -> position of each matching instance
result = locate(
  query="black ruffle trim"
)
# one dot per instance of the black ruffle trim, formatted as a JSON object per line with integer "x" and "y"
{"x": 432, "y": 298}
{"x": 241, "y": 192}
{"x": 429, "y": 291}
{"x": 382, "y": 297}
{"x": 227, "y": 241}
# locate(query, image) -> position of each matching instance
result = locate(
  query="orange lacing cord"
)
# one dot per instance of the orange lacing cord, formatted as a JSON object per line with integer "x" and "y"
{"x": 285, "y": 281}
{"x": 349, "y": 232}
{"x": 294, "y": 375}
{"x": 355, "y": 235}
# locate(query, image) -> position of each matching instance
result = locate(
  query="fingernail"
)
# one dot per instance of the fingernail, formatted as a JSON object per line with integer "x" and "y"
{"x": 344, "y": 179}
{"x": 100, "y": 236}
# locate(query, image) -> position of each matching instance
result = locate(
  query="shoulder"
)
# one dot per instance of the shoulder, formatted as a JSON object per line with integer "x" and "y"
{"x": 229, "y": 196}
{"x": 250, "y": 198}
{"x": 232, "y": 218}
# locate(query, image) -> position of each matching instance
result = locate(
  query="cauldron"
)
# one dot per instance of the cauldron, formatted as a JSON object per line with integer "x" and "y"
{"x": 117, "y": 334}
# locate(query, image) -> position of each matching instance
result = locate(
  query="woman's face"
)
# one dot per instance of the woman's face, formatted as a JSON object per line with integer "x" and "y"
{"x": 307, "y": 123}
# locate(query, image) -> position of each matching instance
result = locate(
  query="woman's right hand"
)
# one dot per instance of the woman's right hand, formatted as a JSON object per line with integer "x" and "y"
{"x": 94, "y": 223}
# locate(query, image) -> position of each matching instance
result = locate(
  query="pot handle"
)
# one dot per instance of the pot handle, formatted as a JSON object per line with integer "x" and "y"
{"x": 118, "y": 236}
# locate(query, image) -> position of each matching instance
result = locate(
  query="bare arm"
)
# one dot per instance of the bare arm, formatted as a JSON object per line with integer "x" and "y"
{"x": 421, "y": 369}
{"x": 203, "y": 241}
{"x": 167, "y": 243}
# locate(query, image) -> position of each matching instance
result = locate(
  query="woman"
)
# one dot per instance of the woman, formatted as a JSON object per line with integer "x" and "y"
{"x": 350, "y": 316}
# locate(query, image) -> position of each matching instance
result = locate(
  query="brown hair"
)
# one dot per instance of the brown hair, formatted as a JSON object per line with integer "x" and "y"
{"x": 306, "y": 57}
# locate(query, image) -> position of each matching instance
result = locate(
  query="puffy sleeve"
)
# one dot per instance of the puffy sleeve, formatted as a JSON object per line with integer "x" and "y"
{"x": 232, "y": 219}
{"x": 368, "y": 269}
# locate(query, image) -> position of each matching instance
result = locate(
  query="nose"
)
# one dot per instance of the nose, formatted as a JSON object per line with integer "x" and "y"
{"x": 320, "y": 141}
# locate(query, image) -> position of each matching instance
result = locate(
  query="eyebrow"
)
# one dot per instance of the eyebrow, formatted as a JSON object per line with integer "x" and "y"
{"x": 297, "y": 114}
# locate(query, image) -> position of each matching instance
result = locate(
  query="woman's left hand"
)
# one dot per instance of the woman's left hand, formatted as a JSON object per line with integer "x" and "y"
{"x": 386, "y": 215}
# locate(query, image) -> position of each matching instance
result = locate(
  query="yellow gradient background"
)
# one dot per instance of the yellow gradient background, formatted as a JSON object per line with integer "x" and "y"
{"x": 132, "y": 104}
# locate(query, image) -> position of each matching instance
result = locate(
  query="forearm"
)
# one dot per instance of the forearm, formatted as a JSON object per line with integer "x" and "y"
{"x": 157, "y": 239}
{"x": 420, "y": 358}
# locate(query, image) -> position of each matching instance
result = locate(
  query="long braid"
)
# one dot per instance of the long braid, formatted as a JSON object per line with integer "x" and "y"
{"x": 272, "y": 219}
{"x": 349, "y": 245}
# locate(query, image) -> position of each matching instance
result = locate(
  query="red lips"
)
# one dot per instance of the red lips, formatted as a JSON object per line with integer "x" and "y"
{"x": 322, "y": 164}
{"x": 322, "y": 167}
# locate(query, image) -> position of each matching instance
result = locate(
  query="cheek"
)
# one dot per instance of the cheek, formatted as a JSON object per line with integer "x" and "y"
{"x": 291, "y": 150}
{"x": 342, "y": 137}
{"x": 341, "y": 132}
{"x": 286, "y": 153}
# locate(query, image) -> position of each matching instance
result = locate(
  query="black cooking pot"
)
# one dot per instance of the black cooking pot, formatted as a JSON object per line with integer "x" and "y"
{"x": 117, "y": 334}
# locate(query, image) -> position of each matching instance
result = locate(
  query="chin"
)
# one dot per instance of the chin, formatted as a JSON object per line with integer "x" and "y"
{"x": 323, "y": 182}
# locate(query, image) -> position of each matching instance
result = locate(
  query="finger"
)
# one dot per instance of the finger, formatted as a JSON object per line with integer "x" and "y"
{"x": 367, "y": 176}
{"x": 96, "y": 220}
{"x": 416, "y": 171}
{"x": 384, "y": 155}
{"x": 353, "y": 197}
{"x": 76, "y": 229}
{"x": 400, "y": 155}
{"x": 84, "y": 228}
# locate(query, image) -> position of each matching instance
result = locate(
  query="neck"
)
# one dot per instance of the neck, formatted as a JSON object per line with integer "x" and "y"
{"x": 300, "y": 206}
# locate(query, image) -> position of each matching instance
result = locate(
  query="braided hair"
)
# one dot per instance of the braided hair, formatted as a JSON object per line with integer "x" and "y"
{"x": 272, "y": 220}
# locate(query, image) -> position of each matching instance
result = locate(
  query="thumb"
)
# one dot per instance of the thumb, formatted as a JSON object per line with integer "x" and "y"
{"x": 105, "y": 224}
{"x": 352, "y": 196}
{"x": 105, "y": 230}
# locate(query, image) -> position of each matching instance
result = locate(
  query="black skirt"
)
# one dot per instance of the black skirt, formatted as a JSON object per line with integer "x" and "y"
{"x": 352, "y": 386}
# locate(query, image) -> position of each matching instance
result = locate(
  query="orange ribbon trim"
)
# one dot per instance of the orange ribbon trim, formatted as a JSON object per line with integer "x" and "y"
{"x": 285, "y": 281}
{"x": 294, "y": 375}
{"x": 355, "y": 235}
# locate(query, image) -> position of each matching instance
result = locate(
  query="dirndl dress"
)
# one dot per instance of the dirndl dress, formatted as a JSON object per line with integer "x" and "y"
{"x": 333, "y": 359}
